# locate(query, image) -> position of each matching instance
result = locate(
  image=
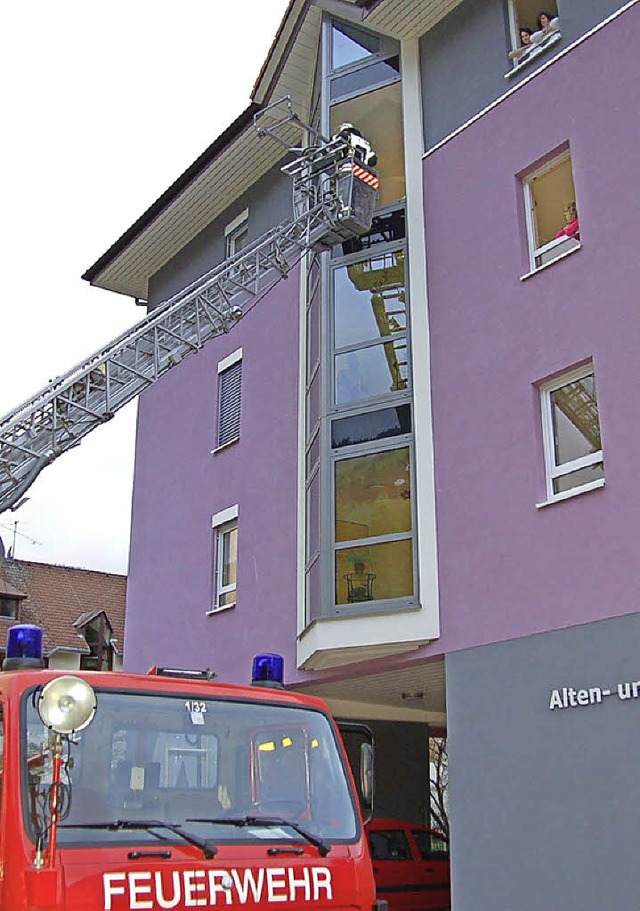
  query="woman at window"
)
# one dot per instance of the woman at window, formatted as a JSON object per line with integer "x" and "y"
{"x": 525, "y": 46}
{"x": 547, "y": 25}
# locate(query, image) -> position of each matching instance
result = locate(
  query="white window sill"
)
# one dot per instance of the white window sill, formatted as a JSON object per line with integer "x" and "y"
{"x": 225, "y": 446}
{"x": 574, "y": 492}
{"x": 219, "y": 610}
{"x": 533, "y": 55}
{"x": 551, "y": 262}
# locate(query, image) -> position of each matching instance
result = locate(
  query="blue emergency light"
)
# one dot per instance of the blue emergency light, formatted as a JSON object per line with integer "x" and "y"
{"x": 24, "y": 648}
{"x": 268, "y": 670}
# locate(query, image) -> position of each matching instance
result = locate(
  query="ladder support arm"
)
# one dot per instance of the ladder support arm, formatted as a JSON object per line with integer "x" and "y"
{"x": 331, "y": 203}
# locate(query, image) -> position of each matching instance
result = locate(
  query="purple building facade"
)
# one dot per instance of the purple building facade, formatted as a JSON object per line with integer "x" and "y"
{"x": 408, "y": 468}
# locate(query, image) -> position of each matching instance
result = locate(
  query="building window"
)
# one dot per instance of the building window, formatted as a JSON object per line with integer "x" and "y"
{"x": 350, "y": 44}
{"x": 373, "y": 527}
{"x": 98, "y": 636}
{"x": 385, "y": 133}
{"x": 571, "y": 433}
{"x": 225, "y": 525}
{"x": 9, "y": 607}
{"x": 229, "y": 398}
{"x": 553, "y": 229}
{"x": 237, "y": 234}
{"x": 360, "y": 526}
{"x": 532, "y": 30}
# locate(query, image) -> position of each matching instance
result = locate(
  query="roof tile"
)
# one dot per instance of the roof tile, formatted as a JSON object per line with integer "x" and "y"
{"x": 60, "y": 596}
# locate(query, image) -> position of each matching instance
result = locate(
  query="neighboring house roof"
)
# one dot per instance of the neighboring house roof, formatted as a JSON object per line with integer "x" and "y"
{"x": 239, "y": 158}
{"x": 62, "y": 599}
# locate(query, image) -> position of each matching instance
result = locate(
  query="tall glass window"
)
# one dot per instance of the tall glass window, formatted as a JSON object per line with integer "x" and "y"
{"x": 373, "y": 524}
{"x": 360, "y": 553}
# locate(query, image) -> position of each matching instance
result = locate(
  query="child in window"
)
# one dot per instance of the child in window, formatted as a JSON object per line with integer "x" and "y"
{"x": 572, "y": 226}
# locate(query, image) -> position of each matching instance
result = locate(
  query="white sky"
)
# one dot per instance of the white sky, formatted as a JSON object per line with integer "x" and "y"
{"x": 104, "y": 106}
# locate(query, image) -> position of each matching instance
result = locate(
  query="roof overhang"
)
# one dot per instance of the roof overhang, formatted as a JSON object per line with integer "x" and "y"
{"x": 238, "y": 158}
{"x": 7, "y": 590}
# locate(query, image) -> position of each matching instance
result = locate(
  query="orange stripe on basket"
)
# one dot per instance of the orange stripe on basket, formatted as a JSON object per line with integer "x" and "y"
{"x": 366, "y": 176}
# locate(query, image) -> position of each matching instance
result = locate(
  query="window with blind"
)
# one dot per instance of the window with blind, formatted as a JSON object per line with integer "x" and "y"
{"x": 229, "y": 400}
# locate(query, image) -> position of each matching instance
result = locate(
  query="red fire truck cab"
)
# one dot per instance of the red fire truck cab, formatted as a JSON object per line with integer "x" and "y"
{"x": 121, "y": 791}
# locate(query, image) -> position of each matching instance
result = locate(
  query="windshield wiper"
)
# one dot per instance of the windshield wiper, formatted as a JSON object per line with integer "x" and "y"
{"x": 268, "y": 821}
{"x": 205, "y": 846}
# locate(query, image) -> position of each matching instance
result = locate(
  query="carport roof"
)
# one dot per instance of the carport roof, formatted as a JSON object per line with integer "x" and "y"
{"x": 411, "y": 691}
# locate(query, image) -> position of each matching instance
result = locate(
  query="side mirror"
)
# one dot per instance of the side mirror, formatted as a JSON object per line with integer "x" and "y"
{"x": 366, "y": 776}
{"x": 358, "y": 740}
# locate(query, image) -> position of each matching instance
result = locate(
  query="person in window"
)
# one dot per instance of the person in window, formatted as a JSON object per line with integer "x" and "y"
{"x": 548, "y": 24}
{"x": 525, "y": 46}
{"x": 572, "y": 226}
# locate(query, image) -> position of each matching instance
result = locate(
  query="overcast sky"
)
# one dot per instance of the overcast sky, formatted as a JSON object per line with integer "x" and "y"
{"x": 104, "y": 106}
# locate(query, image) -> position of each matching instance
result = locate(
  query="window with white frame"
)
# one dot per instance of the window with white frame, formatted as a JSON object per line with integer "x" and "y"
{"x": 229, "y": 398}
{"x": 553, "y": 228}
{"x": 571, "y": 433}
{"x": 236, "y": 234}
{"x": 532, "y": 30}
{"x": 225, "y": 528}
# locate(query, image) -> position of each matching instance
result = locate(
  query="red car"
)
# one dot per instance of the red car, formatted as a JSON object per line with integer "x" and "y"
{"x": 410, "y": 865}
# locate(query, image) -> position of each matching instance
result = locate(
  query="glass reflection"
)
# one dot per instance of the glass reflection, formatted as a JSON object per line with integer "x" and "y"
{"x": 373, "y": 495}
{"x": 578, "y": 478}
{"x": 385, "y": 228}
{"x": 372, "y": 425}
{"x": 313, "y": 518}
{"x": 369, "y": 299}
{"x": 366, "y": 78}
{"x": 371, "y": 372}
{"x": 350, "y": 44}
{"x": 576, "y": 424}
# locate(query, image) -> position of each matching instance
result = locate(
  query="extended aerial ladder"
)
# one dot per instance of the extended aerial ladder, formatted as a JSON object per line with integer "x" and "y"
{"x": 334, "y": 196}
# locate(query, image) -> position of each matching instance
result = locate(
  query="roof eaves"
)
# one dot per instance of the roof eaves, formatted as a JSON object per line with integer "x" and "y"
{"x": 354, "y": 10}
{"x": 173, "y": 192}
{"x": 274, "y": 60}
{"x": 68, "y": 649}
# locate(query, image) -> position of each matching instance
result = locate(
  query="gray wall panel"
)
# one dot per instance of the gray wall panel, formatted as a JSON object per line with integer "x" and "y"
{"x": 545, "y": 805}
{"x": 463, "y": 61}
{"x": 269, "y": 203}
{"x": 578, "y": 16}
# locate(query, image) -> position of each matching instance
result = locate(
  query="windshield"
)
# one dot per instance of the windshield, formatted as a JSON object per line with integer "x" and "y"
{"x": 173, "y": 760}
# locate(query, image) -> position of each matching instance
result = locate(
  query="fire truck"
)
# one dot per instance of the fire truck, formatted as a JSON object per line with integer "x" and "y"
{"x": 170, "y": 790}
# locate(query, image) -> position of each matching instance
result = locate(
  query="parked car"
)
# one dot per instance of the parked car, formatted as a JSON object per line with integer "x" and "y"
{"x": 410, "y": 865}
